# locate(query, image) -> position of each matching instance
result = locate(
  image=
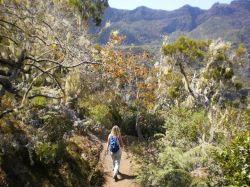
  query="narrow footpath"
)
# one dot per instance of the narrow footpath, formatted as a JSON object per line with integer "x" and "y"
{"x": 126, "y": 177}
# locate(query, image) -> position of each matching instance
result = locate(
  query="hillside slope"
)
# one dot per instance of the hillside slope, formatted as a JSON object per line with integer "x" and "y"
{"x": 146, "y": 26}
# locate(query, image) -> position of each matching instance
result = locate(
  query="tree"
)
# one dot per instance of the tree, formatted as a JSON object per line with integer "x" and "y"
{"x": 199, "y": 94}
{"x": 204, "y": 68}
{"x": 131, "y": 76}
{"x": 89, "y": 9}
{"x": 42, "y": 45}
{"x": 202, "y": 74}
{"x": 39, "y": 43}
{"x": 233, "y": 161}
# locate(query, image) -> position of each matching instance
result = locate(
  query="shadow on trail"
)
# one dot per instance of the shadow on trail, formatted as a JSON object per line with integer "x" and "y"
{"x": 123, "y": 176}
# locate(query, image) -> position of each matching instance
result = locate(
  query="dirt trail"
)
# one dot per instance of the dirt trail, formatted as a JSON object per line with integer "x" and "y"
{"x": 126, "y": 178}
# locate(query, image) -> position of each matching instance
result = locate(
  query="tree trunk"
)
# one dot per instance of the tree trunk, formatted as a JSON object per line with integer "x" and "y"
{"x": 186, "y": 80}
{"x": 138, "y": 127}
{"x": 137, "y": 124}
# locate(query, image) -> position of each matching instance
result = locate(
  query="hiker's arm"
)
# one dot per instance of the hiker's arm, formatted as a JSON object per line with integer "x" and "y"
{"x": 107, "y": 146}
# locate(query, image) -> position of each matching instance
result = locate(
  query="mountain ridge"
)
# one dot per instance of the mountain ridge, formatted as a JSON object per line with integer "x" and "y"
{"x": 146, "y": 26}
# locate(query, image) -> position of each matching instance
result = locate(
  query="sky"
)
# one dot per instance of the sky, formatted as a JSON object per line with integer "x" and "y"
{"x": 163, "y": 4}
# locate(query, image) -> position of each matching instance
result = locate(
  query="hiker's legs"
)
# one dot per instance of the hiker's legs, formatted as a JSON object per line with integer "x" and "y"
{"x": 117, "y": 162}
{"x": 116, "y": 158}
{"x": 113, "y": 159}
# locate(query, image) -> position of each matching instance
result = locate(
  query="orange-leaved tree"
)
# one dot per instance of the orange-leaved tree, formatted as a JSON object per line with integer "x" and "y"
{"x": 130, "y": 75}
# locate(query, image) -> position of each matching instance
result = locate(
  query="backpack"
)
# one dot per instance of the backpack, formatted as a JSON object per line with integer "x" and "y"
{"x": 113, "y": 144}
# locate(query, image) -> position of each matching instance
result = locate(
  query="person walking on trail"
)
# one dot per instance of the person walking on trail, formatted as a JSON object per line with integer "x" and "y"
{"x": 114, "y": 145}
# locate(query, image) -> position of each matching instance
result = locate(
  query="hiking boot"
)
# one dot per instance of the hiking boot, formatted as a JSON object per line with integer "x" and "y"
{"x": 115, "y": 177}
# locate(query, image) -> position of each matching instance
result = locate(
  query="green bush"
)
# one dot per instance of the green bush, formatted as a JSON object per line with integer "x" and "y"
{"x": 101, "y": 114}
{"x": 128, "y": 125}
{"x": 47, "y": 152}
{"x": 176, "y": 177}
{"x": 56, "y": 126}
{"x": 39, "y": 102}
{"x": 151, "y": 124}
{"x": 234, "y": 161}
{"x": 199, "y": 182}
{"x": 185, "y": 126}
{"x": 173, "y": 92}
{"x": 177, "y": 152}
{"x": 97, "y": 178}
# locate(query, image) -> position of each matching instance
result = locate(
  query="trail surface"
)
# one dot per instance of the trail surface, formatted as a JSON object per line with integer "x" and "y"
{"x": 126, "y": 178}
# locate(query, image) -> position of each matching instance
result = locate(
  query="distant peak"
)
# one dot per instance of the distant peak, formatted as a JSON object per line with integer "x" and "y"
{"x": 219, "y": 5}
{"x": 142, "y": 8}
{"x": 188, "y": 7}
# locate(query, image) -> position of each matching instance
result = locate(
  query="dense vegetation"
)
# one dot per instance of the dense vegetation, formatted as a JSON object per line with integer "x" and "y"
{"x": 188, "y": 112}
{"x": 40, "y": 43}
{"x": 206, "y": 139}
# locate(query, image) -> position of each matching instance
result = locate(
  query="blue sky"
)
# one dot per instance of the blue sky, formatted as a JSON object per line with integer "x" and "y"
{"x": 163, "y": 4}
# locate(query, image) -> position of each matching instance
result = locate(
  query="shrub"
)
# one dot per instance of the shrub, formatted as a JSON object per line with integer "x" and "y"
{"x": 39, "y": 102}
{"x": 185, "y": 126}
{"x": 97, "y": 178}
{"x": 176, "y": 177}
{"x": 102, "y": 115}
{"x": 128, "y": 125}
{"x": 234, "y": 161}
{"x": 151, "y": 124}
{"x": 47, "y": 152}
{"x": 199, "y": 182}
{"x": 56, "y": 126}
{"x": 177, "y": 152}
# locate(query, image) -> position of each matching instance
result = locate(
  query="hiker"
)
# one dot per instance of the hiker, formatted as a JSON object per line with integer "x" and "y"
{"x": 114, "y": 145}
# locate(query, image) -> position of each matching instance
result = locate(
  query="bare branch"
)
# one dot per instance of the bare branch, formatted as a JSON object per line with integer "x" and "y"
{"x": 45, "y": 60}
{"x": 10, "y": 111}
{"x": 6, "y": 112}
{"x": 60, "y": 44}
{"x": 15, "y": 42}
{"x": 39, "y": 38}
{"x": 11, "y": 13}
{"x": 46, "y": 72}
{"x": 33, "y": 81}
{"x": 81, "y": 63}
{"x": 47, "y": 25}
{"x": 60, "y": 63}
{"x": 12, "y": 24}
{"x": 186, "y": 80}
{"x": 42, "y": 95}
{"x": 44, "y": 53}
